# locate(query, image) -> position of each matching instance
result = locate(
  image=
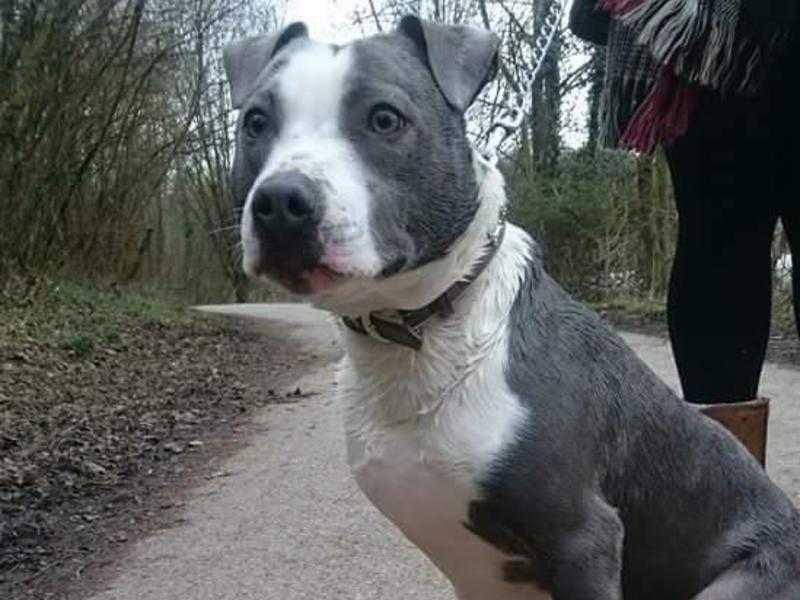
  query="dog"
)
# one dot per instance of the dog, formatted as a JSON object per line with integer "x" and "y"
{"x": 511, "y": 436}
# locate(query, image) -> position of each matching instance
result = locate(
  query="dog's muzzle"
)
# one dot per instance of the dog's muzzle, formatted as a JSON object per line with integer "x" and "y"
{"x": 286, "y": 212}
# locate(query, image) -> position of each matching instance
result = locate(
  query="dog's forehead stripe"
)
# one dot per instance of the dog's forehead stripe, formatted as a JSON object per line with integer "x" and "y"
{"x": 311, "y": 87}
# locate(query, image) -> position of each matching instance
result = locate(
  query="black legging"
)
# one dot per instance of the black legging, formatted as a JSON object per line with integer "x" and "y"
{"x": 736, "y": 172}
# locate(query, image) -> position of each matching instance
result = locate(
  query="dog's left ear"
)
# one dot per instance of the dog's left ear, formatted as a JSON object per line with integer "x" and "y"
{"x": 245, "y": 59}
{"x": 462, "y": 59}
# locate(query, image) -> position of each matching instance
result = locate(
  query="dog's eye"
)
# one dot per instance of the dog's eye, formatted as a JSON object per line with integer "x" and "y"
{"x": 386, "y": 120}
{"x": 255, "y": 123}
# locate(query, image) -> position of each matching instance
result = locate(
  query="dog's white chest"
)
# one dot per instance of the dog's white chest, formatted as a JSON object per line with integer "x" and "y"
{"x": 430, "y": 508}
{"x": 423, "y": 427}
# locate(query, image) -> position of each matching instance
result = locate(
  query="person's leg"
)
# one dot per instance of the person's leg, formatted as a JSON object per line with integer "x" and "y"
{"x": 789, "y": 170}
{"x": 720, "y": 290}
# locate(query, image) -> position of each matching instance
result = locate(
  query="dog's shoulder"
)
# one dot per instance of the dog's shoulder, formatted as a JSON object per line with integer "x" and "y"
{"x": 558, "y": 345}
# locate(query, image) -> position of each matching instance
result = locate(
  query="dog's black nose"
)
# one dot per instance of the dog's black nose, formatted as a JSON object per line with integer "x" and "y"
{"x": 285, "y": 203}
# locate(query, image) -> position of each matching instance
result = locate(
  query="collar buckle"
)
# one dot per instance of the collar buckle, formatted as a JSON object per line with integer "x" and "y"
{"x": 404, "y": 327}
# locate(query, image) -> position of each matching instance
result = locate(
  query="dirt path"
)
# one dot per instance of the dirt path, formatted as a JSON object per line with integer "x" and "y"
{"x": 287, "y": 522}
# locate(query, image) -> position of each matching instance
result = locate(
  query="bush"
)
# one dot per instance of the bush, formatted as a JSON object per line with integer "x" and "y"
{"x": 582, "y": 216}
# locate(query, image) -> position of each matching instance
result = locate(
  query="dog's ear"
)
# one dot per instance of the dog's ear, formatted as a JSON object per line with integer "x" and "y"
{"x": 245, "y": 59}
{"x": 462, "y": 59}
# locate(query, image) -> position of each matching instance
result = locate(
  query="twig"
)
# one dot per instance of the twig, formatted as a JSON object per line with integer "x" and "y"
{"x": 375, "y": 16}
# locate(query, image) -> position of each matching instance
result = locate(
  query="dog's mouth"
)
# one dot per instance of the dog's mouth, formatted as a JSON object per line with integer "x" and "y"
{"x": 323, "y": 278}
{"x": 309, "y": 266}
{"x": 308, "y": 281}
{"x": 301, "y": 267}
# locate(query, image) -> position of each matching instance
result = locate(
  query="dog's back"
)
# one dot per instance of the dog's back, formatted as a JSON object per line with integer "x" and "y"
{"x": 575, "y": 463}
{"x": 692, "y": 501}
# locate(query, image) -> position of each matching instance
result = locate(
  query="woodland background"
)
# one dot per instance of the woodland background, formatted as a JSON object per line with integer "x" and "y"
{"x": 115, "y": 144}
{"x": 115, "y": 215}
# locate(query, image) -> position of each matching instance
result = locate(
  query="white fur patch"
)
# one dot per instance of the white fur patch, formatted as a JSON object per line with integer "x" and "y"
{"x": 424, "y": 426}
{"x": 310, "y": 90}
{"x": 414, "y": 289}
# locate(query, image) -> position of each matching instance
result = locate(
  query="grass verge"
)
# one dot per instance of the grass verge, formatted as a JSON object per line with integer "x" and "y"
{"x": 101, "y": 393}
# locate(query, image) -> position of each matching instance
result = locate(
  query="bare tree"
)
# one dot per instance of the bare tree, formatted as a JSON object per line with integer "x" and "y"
{"x": 102, "y": 104}
{"x": 596, "y": 76}
{"x": 201, "y": 176}
{"x": 518, "y": 23}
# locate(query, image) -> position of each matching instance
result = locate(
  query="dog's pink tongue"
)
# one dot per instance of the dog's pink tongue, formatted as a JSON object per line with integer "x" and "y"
{"x": 321, "y": 279}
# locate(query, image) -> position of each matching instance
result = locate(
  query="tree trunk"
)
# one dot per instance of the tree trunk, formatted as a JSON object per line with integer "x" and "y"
{"x": 595, "y": 92}
{"x": 654, "y": 218}
{"x": 662, "y": 228}
{"x": 546, "y": 101}
{"x": 241, "y": 287}
{"x": 642, "y": 215}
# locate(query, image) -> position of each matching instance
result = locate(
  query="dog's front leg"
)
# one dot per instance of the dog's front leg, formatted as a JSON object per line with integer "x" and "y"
{"x": 587, "y": 562}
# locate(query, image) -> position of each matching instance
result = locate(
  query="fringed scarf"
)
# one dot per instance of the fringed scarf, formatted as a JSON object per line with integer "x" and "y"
{"x": 661, "y": 52}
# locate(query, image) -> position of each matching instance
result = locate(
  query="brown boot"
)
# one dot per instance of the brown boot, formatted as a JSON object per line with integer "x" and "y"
{"x": 747, "y": 421}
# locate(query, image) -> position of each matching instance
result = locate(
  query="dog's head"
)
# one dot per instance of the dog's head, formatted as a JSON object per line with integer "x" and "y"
{"x": 352, "y": 167}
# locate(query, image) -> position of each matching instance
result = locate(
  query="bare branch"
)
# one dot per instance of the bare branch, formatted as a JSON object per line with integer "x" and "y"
{"x": 378, "y": 24}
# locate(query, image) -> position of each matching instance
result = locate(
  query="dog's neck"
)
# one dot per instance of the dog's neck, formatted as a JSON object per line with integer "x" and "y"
{"x": 419, "y": 287}
{"x": 406, "y": 383}
{"x": 405, "y": 327}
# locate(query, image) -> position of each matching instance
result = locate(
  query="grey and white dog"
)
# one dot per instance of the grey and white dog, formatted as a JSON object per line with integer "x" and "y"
{"x": 522, "y": 446}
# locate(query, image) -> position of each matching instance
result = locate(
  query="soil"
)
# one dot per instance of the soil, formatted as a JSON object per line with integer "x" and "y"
{"x": 100, "y": 431}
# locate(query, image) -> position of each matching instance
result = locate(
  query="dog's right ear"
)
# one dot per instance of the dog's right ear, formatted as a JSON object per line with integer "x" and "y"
{"x": 462, "y": 59}
{"x": 245, "y": 59}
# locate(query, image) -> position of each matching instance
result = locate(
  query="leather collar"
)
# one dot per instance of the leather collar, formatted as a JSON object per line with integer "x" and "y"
{"x": 404, "y": 327}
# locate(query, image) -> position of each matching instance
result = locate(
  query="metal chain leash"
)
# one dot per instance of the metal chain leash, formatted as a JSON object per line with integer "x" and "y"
{"x": 512, "y": 117}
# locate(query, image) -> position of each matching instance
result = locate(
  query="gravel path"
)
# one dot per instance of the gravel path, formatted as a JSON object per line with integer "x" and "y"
{"x": 288, "y": 523}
